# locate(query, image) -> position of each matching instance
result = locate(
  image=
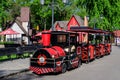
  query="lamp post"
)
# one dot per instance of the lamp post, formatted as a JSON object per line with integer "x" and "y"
{"x": 52, "y": 6}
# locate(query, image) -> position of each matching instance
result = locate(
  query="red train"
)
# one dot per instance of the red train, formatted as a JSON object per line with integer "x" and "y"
{"x": 64, "y": 50}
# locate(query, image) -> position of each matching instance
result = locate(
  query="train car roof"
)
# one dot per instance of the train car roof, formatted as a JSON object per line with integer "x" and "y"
{"x": 63, "y": 32}
{"x": 86, "y": 29}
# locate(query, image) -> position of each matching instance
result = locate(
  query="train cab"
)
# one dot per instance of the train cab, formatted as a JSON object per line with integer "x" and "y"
{"x": 69, "y": 43}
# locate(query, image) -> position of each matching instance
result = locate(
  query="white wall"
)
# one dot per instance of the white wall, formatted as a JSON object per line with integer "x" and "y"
{"x": 18, "y": 37}
{"x": 118, "y": 40}
{"x": 25, "y": 25}
{"x": 0, "y": 29}
{"x": 16, "y": 28}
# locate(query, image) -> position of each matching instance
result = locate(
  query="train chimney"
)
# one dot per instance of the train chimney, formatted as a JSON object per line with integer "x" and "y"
{"x": 46, "y": 38}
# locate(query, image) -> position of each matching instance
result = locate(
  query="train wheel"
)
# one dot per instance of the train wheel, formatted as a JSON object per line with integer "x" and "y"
{"x": 64, "y": 68}
{"x": 108, "y": 54}
{"x": 88, "y": 59}
{"x": 94, "y": 54}
{"x": 79, "y": 63}
{"x": 98, "y": 57}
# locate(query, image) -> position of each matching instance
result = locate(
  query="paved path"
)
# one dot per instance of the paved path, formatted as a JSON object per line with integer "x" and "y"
{"x": 106, "y": 68}
{"x": 13, "y": 66}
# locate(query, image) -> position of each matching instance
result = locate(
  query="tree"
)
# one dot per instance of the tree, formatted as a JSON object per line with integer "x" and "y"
{"x": 3, "y": 13}
{"x": 102, "y": 14}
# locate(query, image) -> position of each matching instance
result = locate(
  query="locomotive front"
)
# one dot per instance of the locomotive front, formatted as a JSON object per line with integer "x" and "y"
{"x": 48, "y": 59}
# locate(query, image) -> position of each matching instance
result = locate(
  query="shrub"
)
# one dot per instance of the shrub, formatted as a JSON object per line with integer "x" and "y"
{"x": 11, "y": 42}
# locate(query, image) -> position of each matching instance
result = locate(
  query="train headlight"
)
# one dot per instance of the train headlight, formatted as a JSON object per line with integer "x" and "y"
{"x": 31, "y": 55}
{"x": 42, "y": 59}
{"x": 53, "y": 56}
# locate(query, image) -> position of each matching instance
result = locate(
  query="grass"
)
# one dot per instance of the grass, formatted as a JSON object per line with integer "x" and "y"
{"x": 10, "y": 42}
{"x": 14, "y": 56}
{"x": 3, "y": 57}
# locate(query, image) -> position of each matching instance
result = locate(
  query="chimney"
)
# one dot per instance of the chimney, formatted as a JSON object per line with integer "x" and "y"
{"x": 85, "y": 21}
{"x": 25, "y": 14}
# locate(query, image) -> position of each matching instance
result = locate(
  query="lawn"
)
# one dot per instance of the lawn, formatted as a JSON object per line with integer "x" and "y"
{"x": 14, "y": 56}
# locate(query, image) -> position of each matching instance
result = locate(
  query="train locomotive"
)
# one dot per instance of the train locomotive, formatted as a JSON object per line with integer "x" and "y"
{"x": 59, "y": 53}
{"x": 63, "y": 50}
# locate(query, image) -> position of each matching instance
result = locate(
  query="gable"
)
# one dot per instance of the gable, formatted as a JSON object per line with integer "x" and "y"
{"x": 16, "y": 28}
{"x": 79, "y": 20}
{"x": 60, "y": 25}
{"x": 72, "y": 22}
{"x": 58, "y": 28}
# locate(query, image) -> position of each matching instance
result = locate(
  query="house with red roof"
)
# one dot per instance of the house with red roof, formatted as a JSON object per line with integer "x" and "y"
{"x": 116, "y": 33}
{"x": 74, "y": 21}
{"x": 117, "y": 36}
{"x": 65, "y": 25}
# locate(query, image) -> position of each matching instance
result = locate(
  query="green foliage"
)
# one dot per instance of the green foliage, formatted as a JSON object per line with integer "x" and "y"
{"x": 3, "y": 58}
{"x": 13, "y": 56}
{"x": 102, "y": 14}
{"x": 7, "y": 42}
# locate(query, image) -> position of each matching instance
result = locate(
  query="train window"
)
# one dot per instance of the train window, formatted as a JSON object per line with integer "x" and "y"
{"x": 61, "y": 38}
{"x": 72, "y": 39}
{"x": 91, "y": 37}
{"x": 98, "y": 37}
{"x": 107, "y": 38}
